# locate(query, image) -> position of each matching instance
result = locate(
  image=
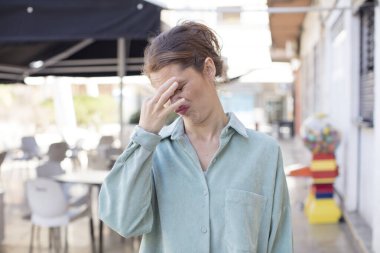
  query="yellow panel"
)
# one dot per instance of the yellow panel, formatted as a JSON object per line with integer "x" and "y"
{"x": 328, "y": 180}
{"x": 323, "y": 165}
{"x": 323, "y": 211}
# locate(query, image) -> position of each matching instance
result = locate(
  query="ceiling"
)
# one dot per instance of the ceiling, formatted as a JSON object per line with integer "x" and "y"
{"x": 286, "y": 28}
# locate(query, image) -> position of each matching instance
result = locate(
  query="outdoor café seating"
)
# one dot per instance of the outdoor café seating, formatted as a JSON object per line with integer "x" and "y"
{"x": 50, "y": 209}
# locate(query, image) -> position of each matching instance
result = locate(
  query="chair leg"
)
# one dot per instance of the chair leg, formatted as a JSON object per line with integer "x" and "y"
{"x": 66, "y": 240}
{"x": 50, "y": 234}
{"x": 55, "y": 240}
{"x": 52, "y": 243}
{"x": 38, "y": 236}
{"x": 31, "y": 239}
{"x": 59, "y": 237}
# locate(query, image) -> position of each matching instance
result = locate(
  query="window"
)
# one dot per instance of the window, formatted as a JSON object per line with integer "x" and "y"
{"x": 367, "y": 74}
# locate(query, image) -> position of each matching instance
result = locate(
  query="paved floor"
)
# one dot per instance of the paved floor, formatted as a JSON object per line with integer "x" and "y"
{"x": 334, "y": 238}
{"x": 331, "y": 238}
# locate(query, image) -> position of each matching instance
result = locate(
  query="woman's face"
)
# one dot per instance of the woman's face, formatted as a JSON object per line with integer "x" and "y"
{"x": 196, "y": 88}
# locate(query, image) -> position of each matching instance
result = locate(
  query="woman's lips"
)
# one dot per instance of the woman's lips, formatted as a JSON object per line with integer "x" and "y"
{"x": 182, "y": 109}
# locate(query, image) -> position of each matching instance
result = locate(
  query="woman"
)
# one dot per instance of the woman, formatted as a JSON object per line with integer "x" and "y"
{"x": 205, "y": 183}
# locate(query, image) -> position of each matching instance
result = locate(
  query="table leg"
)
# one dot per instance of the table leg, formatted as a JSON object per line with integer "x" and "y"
{"x": 92, "y": 235}
{"x": 100, "y": 236}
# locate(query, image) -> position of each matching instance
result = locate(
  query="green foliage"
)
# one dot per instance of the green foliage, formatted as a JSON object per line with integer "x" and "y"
{"x": 95, "y": 110}
{"x": 48, "y": 108}
{"x": 47, "y": 103}
{"x": 91, "y": 110}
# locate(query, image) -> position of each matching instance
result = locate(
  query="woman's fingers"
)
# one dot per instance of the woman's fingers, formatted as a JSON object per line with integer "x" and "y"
{"x": 162, "y": 89}
{"x": 156, "y": 109}
{"x": 167, "y": 94}
{"x": 173, "y": 107}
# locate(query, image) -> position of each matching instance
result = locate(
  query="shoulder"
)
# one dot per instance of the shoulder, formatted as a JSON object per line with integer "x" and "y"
{"x": 250, "y": 136}
{"x": 262, "y": 139}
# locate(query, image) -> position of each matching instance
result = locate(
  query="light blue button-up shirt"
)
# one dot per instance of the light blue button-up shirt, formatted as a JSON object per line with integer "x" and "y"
{"x": 240, "y": 204}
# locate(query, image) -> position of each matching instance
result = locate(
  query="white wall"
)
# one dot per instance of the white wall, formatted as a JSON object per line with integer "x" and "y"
{"x": 366, "y": 174}
{"x": 366, "y": 155}
{"x": 376, "y": 165}
{"x": 338, "y": 73}
{"x": 310, "y": 37}
{"x": 327, "y": 82}
{"x": 335, "y": 89}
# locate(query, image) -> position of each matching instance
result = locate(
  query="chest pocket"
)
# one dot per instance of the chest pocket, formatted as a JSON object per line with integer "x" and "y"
{"x": 243, "y": 215}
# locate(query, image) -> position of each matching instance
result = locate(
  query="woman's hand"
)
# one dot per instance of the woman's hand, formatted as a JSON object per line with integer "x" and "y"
{"x": 154, "y": 112}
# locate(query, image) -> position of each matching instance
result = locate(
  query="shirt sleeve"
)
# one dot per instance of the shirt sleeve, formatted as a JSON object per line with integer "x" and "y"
{"x": 125, "y": 198}
{"x": 281, "y": 235}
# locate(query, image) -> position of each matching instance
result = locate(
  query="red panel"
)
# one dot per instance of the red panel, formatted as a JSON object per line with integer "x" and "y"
{"x": 323, "y": 156}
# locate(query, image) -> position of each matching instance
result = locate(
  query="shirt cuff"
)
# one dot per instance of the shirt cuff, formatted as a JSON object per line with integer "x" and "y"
{"x": 146, "y": 139}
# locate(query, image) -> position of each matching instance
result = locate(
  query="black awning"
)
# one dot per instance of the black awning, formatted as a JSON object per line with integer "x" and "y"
{"x": 73, "y": 38}
{"x": 98, "y": 58}
{"x": 57, "y": 20}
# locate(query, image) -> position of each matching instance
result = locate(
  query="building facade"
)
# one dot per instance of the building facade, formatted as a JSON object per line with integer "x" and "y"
{"x": 338, "y": 76}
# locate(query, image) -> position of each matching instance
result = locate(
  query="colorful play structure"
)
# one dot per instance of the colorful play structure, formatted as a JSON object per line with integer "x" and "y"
{"x": 321, "y": 139}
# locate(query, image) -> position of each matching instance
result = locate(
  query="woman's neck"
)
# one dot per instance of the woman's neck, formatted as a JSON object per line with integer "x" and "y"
{"x": 208, "y": 129}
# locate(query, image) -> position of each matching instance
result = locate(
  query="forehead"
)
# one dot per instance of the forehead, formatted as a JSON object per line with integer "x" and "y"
{"x": 173, "y": 70}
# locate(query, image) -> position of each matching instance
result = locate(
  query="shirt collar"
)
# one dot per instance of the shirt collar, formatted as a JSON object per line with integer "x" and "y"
{"x": 236, "y": 124}
{"x": 176, "y": 129}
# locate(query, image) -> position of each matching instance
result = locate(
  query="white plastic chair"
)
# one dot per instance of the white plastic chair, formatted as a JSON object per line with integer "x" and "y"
{"x": 50, "y": 209}
{"x": 77, "y": 194}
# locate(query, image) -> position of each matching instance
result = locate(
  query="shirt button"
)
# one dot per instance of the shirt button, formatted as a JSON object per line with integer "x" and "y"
{"x": 204, "y": 229}
{"x": 205, "y": 193}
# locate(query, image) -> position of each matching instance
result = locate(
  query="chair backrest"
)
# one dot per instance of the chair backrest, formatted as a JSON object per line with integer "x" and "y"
{"x": 49, "y": 169}
{"x": 29, "y": 146}
{"x": 2, "y": 157}
{"x": 46, "y": 198}
{"x": 106, "y": 140}
{"x": 57, "y": 151}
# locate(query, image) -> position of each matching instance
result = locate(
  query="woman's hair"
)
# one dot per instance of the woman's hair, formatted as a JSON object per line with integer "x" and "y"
{"x": 187, "y": 44}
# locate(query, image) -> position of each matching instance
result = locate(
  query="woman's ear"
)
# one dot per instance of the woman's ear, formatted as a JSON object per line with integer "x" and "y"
{"x": 209, "y": 68}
